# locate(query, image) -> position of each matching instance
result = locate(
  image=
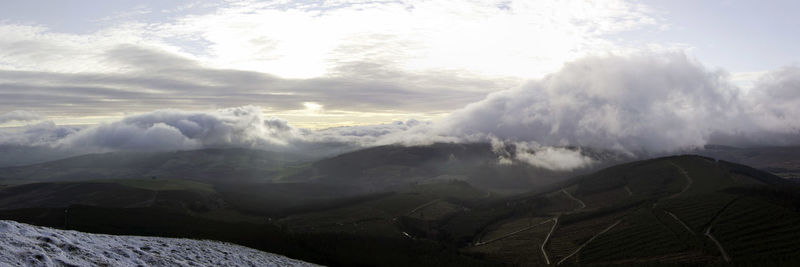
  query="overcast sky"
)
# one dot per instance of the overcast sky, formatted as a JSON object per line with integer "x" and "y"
{"x": 319, "y": 64}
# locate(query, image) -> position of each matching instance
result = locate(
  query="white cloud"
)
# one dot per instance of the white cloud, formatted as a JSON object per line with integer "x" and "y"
{"x": 37, "y": 48}
{"x": 552, "y": 158}
{"x": 172, "y": 129}
{"x": 180, "y": 130}
{"x": 309, "y": 39}
{"x": 370, "y": 57}
{"x": 774, "y": 102}
{"x": 19, "y": 115}
{"x": 647, "y": 102}
{"x": 644, "y": 103}
{"x": 746, "y": 80}
{"x": 497, "y": 38}
{"x": 40, "y": 134}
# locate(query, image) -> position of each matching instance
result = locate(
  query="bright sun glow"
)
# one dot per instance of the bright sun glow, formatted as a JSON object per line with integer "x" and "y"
{"x": 312, "y": 106}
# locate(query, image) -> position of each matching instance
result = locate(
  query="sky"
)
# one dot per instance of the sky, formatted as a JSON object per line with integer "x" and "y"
{"x": 333, "y": 63}
{"x": 322, "y": 70}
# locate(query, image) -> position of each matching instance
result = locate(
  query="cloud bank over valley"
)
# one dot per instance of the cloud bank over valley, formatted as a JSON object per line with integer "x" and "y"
{"x": 635, "y": 104}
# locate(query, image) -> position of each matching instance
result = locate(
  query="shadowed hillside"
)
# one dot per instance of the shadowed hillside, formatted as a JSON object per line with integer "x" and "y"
{"x": 686, "y": 210}
{"x": 388, "y": 166}
{"x": 208, "y": 165}
{"x": 674, "y": 210}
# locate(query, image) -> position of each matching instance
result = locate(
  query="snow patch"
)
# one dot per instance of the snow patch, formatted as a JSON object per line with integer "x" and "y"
{"x": 27, "y": 245}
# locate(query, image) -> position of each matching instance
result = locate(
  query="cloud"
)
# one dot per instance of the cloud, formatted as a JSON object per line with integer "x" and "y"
{"x": 19, "y": 115}
{"x": 771, "y": 110}
{"x": 498, "y": 38}
{"x": 173, "y": 129}
{"x": 155, "y": 79}
{"x": 776, "y": 102}
{"x": 640, "y": 104}
{"x": 417, "y": 59}
{"x": 551, "y": 158}
{"x": 44, "y": 133}
{"x": 635, "y": 104}
{"x": 647, "y": 102}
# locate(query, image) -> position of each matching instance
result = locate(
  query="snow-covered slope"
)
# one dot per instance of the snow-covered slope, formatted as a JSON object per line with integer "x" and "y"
{"x": 27, "y": 245}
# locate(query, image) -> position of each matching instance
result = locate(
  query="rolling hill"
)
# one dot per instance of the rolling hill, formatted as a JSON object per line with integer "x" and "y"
{"x": 375, "y": 169}
{"x": 674, "y": 210}
{"x": 390, "y": 166}
{"x": 217, "y": 166}
{"x": 379, "y": 205}
{"x": 782, "y": 161}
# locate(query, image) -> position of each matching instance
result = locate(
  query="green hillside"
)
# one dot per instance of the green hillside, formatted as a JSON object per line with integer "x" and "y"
{"x": 679, "y": 210}
{"x": 674, "y": 210}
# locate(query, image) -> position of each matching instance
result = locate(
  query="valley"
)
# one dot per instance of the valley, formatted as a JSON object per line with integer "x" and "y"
{"x": 671, "y": 210}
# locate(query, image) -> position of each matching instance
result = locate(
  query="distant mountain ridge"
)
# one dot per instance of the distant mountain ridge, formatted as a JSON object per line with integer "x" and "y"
{"x": 208, "y": 165}
{"x": 476, "y": 163}
{"x": 370, "y": 169}
{"x": 782, "y": 161}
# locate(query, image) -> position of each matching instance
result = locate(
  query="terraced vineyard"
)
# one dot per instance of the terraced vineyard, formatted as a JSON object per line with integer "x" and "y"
{"x": 681, "y": 210}
{"x": 556, "y": 202}
{"x": 667, "y": 211}
{"x": 641, "y": 234}
{"x": 517, "y": 249}
{"x": 437, "y": 210}
{"x": 753, "y": 221}
{"x": 371, "y": 217}
{"x": 607, "y": 198}
{"x": 716, "y": 176}
{"x": 697, "y": 211}
{"x": 569, "y": 237}
{"x": 506, "y": 228}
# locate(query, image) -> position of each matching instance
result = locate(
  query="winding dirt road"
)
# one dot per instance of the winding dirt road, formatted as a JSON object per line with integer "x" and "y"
{"x": 555, "y": 220}
{"x": 583, "y": 205}
{"x": 552, "y": 229}
{"x": 719, "y": 245}
{"x": 679, "y": 221}
{"x": 422, "y": 206}
{"x": 628, "y": 189}
{"x": 513, "y": 233}
{"x": 588, "y": 241}
{"x": 707, "y": 233}
{"x": 689, "y": 180}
